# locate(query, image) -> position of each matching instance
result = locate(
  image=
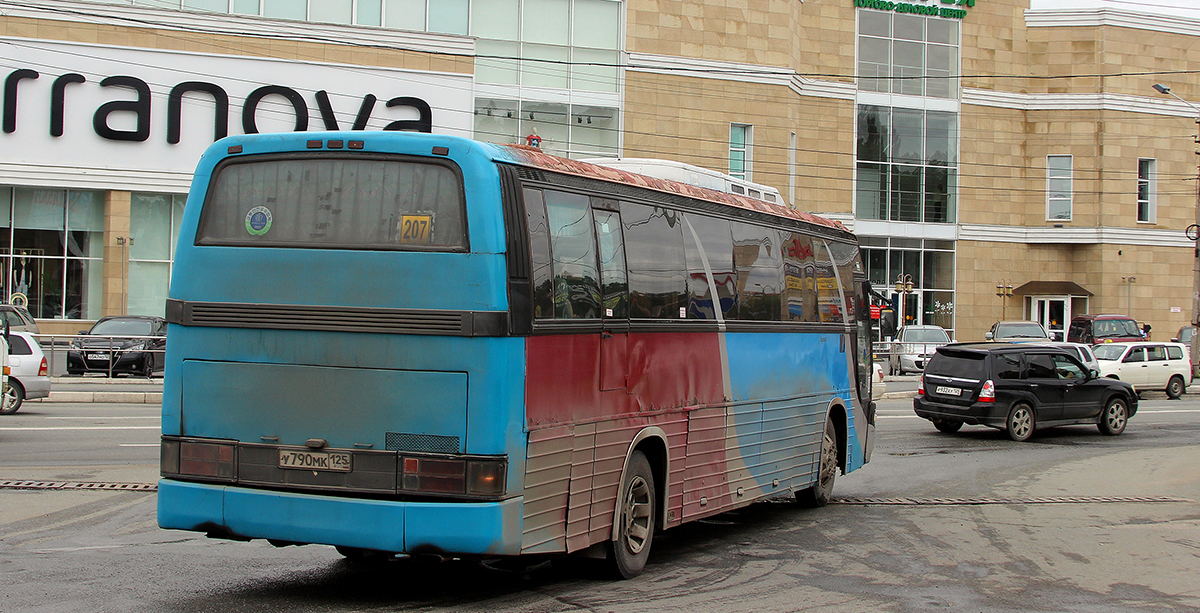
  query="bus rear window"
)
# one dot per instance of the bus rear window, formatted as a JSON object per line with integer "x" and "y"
{"x": 384, "y": 203}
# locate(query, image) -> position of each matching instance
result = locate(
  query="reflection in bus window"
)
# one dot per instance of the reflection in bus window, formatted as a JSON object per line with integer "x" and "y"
{"x": 714, "y": 235}
{"x": 759, "y": 264}
{"x": 800, "y": 278}
{"x": 539, "y": 247}
{"x": 829, "y": 297}
{"x": 613, "y": 284}
{"x": 654, "y": 248}
{"x": 576, "y": 280}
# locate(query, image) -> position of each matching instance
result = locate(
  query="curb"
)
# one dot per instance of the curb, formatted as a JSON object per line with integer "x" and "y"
{"x": 115, "y": 397}
{"x": 896, "y": 395}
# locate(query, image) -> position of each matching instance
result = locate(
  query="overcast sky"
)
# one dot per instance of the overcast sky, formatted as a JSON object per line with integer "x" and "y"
{"x": 1181, "y": 8}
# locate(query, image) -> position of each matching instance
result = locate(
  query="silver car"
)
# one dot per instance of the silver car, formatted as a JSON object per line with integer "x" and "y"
{"x": 914, "y": 346}
{"x": 30, "y": 376}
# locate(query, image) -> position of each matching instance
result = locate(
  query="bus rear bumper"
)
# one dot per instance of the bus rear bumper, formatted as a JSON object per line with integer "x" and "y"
{"x": 462, "y": 528}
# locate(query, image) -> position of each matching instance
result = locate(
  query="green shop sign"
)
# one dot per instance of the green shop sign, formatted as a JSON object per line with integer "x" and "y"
{"x": 918, "y": 9}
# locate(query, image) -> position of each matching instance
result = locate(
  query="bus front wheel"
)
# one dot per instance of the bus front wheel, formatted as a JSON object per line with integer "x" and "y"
{"x": 819, "y": 493}
{"x": 634, "y": 518}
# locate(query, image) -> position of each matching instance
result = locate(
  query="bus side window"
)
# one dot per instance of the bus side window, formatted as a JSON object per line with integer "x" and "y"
{"x": 573, "y": 251}
{"x": 759, "y": 263}
{"x": 614, "y": 284}
{"x": 654, "y": 249}
{"x": 539, "y": 247}
{"x": 717, "y": 243}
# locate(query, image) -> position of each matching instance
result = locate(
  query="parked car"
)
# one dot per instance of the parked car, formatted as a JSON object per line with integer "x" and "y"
{"x": 1184, "y": 335}
{"x": 1147, "y": 365}
{"x": 1079, "y": 350}
{"x": 108, "y": 348}
{"x": 913, "y": 347}
{"x": 19, "y": 319}
{"x": 878, "y": 385}
{"x": 1017, "y": 331}
{"x": 1095, "y": 329}
{"x": 1019, "y": 388}
{"x": 30, "y": 374}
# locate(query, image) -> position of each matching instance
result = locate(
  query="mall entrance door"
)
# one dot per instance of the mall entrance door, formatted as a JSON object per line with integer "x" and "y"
{"x": 1053, "y": 315}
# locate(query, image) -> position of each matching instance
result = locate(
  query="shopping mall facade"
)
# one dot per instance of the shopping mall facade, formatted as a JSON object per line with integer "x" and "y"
{"x": 970, "y": 143}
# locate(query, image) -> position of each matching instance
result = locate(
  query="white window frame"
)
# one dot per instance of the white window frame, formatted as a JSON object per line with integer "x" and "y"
{"x": 1150, "y": 181}
{"x": 1050, "y": 199}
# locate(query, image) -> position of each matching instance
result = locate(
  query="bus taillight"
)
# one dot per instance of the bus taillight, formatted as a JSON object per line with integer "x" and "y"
{"x": 199, "y": 459}
{"x": 477, "y": 477}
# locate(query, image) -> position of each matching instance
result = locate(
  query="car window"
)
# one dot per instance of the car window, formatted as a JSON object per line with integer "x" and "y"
{"x": 1022, "y": 330}
{"x": 1040, "y": 367}
{"x": 1137, "y": 354}
{"x": 926, "y": 335}
{"x": 1175, "y": 353}
{"x": 18, "y": 346}
{"x": 14, "y": 318}
{"x": 1108, "y": 352}
{"x": 112, "y": 327}
{"x": 1008, "y": 366}
{"x": 1157, "y": 353}
{"x": 960, "y": 365}
{"x": 1066, "y": 368}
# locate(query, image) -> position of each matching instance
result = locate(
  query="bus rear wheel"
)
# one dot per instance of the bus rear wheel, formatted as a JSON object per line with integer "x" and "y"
{"x": 819, "y": 494}
{"x": 634, "y": 517}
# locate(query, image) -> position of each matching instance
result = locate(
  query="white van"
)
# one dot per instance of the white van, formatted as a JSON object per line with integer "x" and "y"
{"x": 1147, "y": 365}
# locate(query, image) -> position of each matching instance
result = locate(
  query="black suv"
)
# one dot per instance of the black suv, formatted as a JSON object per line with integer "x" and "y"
{"x": 1019, "y": 388}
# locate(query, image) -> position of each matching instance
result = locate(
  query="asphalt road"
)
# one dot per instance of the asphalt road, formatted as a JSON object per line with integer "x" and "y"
{"x": 1071, "y": 521}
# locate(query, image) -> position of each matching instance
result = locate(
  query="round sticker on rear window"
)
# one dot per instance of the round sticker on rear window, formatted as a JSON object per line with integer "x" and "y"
{"x": 258, "y": 220}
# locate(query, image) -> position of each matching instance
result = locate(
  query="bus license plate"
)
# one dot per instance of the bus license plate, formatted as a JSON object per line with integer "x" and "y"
{"x": 314, "y": 460}
{"x": 948, "y": 391}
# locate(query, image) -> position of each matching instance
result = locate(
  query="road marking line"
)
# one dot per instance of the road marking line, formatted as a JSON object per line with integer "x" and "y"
{"x": 70, "y": 549}
{"x": 81, "y": 428}
{"x": 138, "y": 445}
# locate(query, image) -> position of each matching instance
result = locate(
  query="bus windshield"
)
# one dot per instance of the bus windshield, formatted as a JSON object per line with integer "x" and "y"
{"x": 388, "y": 203}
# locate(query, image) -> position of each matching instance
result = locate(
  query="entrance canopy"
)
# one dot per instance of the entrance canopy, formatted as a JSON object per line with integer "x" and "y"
{"x": 1051, "y": 288}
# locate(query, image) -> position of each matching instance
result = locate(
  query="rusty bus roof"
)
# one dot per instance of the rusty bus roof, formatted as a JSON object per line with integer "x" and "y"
{"x": 532, "y": 156}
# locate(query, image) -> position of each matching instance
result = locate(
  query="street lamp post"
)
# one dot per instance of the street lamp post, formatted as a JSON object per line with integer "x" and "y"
{"x": 904, "y": 287}
{"x": 1129, "y": 294}
{"x": 1195, "y": 348}
{"x": 1004, "y": 289}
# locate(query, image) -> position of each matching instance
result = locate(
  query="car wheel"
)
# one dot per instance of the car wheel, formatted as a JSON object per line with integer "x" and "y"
{"x": 148, "y": 366}
{"x": 949, "y": 427}
{"x": 634, "y": 517}
{"x": 1175, "y": 387}
{"x": 1020, "y": 423}
{"x": 13, "y": 397}
{"x": 1114, "y": 417}
{"x": 819, "y": 494}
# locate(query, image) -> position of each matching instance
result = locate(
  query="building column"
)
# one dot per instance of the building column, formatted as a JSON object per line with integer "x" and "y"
{"x": 116, "y": 252}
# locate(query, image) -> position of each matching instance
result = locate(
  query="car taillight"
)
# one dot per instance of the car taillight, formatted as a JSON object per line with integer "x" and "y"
{"x": 44, "y": 369}
{"x": 988, "y": 393}
{"x": 921, "y": 385}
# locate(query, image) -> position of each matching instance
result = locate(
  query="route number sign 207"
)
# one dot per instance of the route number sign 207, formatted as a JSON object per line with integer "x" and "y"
{"x": 415, "y": 229}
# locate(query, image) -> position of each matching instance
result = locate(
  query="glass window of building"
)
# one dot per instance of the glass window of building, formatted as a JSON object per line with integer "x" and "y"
{"x": 154, "y": 226}
{"x": 1147, "y": 190}
{"x": 1059, "y": 191}
{"x": 907, "y": 54}
{"x": 51, "y": 251}
{"x": 740, "y": 137}
{"x": 928, "y": 263}
{"x": 907, "y": 164}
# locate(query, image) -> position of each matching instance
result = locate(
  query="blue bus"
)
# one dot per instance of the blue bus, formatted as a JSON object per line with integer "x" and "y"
{"x": 400, "y": 343}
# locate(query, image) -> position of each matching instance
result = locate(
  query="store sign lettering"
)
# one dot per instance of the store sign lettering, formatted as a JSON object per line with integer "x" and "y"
{"x": 139, "y": 107}
{"x": 918, "y": 9}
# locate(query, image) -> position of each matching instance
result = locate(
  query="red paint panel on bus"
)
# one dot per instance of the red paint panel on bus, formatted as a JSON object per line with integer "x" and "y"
{"x": 664, "y": 371}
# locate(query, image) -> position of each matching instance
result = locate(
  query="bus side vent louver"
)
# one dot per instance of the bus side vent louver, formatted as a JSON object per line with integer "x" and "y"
{"x": 429, "y": 443}
{"x": 336, "y": 318}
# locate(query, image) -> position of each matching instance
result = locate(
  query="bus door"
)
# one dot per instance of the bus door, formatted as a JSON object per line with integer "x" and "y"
{"x": 614, "y": 292}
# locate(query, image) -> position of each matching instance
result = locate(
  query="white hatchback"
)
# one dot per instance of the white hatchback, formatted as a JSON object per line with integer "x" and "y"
{"x": 1147, "y": 365}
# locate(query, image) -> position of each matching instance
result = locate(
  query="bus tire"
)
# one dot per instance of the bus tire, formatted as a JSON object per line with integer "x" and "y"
{"x": 634, "y": 519}
{"x": 819, "y": 493}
